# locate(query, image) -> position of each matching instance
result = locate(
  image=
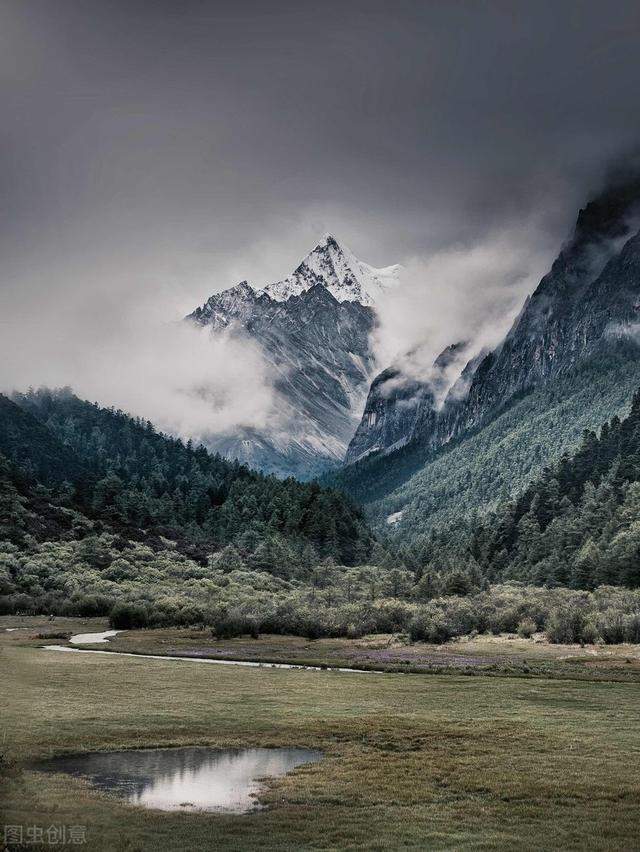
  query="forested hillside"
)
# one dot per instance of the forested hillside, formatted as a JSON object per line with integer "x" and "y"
{"x": 578, "y": 524}
{"x": 155, "y": 532}
{"x": 569, "y": 362}
{"x": 477, "y": 472}
{"x": 35, "y": 448}
{"x": 123, "y": 476}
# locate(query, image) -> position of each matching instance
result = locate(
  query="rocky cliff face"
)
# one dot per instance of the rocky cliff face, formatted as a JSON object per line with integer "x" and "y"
{"x": 314, "y": 329}
{"x": 397, "y": 404}
{"x": 591, "y": 293}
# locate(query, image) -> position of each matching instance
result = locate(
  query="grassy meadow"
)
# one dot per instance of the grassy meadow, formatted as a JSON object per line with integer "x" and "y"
{"x": 435, "y": 761}
{"x": 479, "y": 655}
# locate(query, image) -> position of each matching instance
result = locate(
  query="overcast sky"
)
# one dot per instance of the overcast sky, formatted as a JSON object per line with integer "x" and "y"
{"x": 153, "y": 152}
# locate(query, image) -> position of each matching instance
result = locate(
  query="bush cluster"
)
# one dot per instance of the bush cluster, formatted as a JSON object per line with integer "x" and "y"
{"x": 138, "y": 587}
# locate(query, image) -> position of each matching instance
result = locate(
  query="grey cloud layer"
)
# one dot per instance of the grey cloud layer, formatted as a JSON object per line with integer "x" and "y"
{"x": 166, "y": 150}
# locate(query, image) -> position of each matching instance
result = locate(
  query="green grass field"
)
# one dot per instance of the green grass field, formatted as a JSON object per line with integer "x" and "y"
{"x": 412, "y": 761}
{"x": 481, "y": 655}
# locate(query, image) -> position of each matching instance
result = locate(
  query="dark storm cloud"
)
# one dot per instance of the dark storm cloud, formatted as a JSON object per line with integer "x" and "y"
{"x": 205, "y": 122}
{"x": 162, "y": 150}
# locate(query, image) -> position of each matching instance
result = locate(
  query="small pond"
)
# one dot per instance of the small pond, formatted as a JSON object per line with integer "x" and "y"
{"x": 184, "y": 779}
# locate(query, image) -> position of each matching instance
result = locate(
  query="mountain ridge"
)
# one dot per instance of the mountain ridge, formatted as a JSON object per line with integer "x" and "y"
{"x": 314, "y": 329}
{"x": 559, "y": 323}
{"x": 123, "y": 476}
{"x": 336, "y": 267}
{"x": 576, "y": 337}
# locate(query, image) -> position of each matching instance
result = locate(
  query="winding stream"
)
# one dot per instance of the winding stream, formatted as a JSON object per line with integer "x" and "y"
{"x": 100, "y": 638}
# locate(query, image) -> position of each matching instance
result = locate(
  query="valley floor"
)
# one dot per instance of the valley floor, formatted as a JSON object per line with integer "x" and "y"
{"x": 437, "y": 761}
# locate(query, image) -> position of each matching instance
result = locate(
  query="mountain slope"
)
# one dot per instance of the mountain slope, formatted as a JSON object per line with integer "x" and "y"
{"x": 396, "y": 403}
{"x": 33, "y": 447}
{"x": 578, "y": 327}
{"x": 579, "y": 523}
{"x": 314, "y": 330}
{"x": 592, "y": 289}
{"x": 422, "y": 490}
{"x": 129, "y": 478}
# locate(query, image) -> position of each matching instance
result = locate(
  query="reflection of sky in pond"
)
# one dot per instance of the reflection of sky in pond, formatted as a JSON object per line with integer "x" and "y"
{"x": 184, "y": 778}
{"x": 93, "y": 638}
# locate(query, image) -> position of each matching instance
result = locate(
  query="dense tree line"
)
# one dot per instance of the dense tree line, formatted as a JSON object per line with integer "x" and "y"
{"x": 578, "y": 524}
{"x": 122, "y": 474}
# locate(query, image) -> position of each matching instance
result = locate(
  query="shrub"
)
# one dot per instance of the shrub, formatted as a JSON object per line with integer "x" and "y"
{"x": 17, "y": 604}
{"x": 569, "y": 625}
{"x": 128, "y": 616}
{"x": 6, "y": 605}
{"x": 526, "y": 628}
{"x": 632, "y": 627}
{"x": 505, "y": 620}
{"x": 88, "y": 606}
{"x": 590, "y": 635}
{"x": 611, "y": 626}
{"x": 429, "y": 626}
{"x": 312, "y": 628}
{"x": 616, "y": 627}
{"x": 227, "y": 625}
{"x": 387, "y": 617}
{"x": 456, "y": 582}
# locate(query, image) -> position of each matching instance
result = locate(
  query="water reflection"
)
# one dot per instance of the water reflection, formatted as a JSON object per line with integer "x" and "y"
{"x": 93, "y": 638}
{"x": 188, "y": 779}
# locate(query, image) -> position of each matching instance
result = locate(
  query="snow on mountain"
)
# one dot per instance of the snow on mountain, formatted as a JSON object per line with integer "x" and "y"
{"x": 580, "y": 317}
{"x": 335, "y": 267}
{"x": 314, "y": 329}
{"x": 227, "y": 308}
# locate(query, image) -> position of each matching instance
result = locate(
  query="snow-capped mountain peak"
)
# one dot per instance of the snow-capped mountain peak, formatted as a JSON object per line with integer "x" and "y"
{"x": 330, "y": 265}
{"x": 335, "y": 267}
{"x": 314, "y": 331}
